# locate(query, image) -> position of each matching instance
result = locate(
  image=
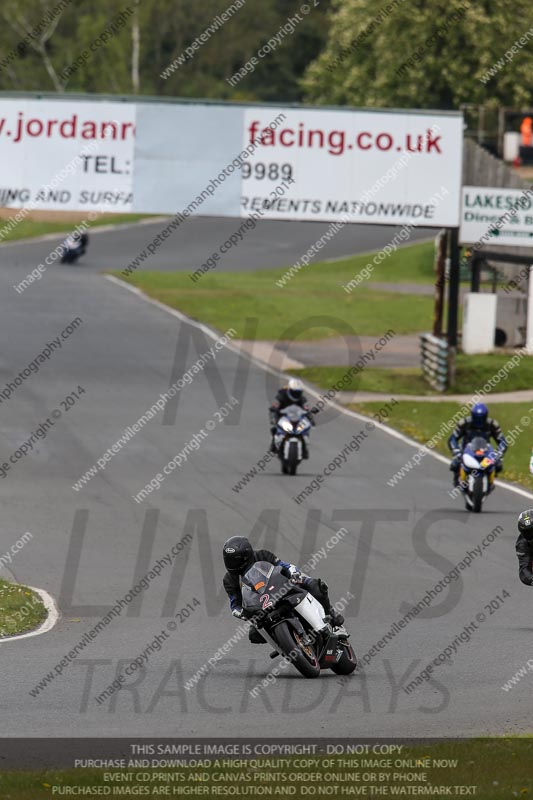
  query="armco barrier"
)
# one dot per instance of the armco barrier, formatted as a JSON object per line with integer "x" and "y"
{"x": 435, "y": 361}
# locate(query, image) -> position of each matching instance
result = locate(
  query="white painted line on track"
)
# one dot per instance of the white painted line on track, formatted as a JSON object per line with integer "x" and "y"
{"x": 51, "y": 619}
{"x": 213, "y": 334}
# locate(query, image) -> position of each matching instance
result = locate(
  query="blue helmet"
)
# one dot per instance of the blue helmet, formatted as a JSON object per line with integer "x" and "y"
{"x": 479, "y": 414}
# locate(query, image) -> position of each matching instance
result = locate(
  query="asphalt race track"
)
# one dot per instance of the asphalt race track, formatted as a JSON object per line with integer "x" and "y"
{"x": 271, "y": 243}
{"x": 90, "y": 547}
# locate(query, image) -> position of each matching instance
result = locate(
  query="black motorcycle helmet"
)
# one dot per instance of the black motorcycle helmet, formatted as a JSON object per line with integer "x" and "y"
{"x": 525, "y": 524}
{"x": 238, "y": 554}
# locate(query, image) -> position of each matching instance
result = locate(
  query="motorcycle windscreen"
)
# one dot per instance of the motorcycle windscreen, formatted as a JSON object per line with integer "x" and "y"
{"x": 265, "y": 584}
{"x": 294, "y": 413}
{"x": 254, "y": 583}
{"x": 479, "y": 445}
{"x": 251, "y": 601}
{"x": 259, "y": 573}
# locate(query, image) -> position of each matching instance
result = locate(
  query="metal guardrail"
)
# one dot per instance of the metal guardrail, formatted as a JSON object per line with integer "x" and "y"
{"x": 435, "y": 361}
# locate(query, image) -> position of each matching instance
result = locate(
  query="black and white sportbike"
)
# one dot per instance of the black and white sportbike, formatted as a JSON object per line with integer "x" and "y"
{"x": 292, "y": 620}
{"x": 292, "y": 437}
{"x": 74, "y": 246}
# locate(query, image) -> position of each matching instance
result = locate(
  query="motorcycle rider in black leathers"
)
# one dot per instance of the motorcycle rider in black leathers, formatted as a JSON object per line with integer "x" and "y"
{"x": 239, "y": 556}
{"x": 289, "y": 395}
{"x": 524, "y": 547}
{"x": 477, "y": 424}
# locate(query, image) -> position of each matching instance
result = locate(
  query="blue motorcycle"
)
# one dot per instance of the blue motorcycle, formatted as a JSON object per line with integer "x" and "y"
{"x": 477, "y": 472}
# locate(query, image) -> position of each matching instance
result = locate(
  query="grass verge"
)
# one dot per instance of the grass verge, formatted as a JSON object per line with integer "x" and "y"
{"x": 399, "y": 380}
{"x": 422, "y": 420}
{"x": 472, "y": 374}
{"x": 21, "y": 609}
{"x": 29, "y": 229}
{"x": 313, "y": 306}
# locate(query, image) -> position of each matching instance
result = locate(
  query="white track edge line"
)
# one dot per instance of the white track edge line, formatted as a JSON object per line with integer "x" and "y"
{"x": 51, "y": 619}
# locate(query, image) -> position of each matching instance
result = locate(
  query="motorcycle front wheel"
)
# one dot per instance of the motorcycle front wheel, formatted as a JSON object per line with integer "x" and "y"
{"x": 303, "y": 656}
{"x": 347, "y": 663}
{"x": 292, "y": 460}
{"x": 477, "y": 494}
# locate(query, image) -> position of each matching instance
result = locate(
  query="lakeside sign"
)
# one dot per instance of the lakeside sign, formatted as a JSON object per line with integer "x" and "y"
{"x": 496, "y": 216}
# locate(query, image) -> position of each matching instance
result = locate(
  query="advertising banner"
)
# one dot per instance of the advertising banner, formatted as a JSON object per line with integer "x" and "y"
{"x": 386, "y": 168}
{"x": 66, "y": 155}
{"x": 382, "y": 167}
{"x": 179, "y": 152}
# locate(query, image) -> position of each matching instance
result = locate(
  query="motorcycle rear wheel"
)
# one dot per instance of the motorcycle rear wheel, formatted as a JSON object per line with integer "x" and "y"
{"x": 302, "y": 656}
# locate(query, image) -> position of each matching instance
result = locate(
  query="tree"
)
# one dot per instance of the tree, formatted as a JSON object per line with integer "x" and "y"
{"x": 29, "y": 27}
{"x": 423, "y": 54}
{"x": 136, "y": 57}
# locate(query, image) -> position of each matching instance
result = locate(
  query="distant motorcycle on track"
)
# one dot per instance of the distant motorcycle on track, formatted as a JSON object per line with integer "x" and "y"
{"x": 477, "y": 472}
{"x": 74, "y": 246}
{"x": 292, "y": 620}
{"x": 292, "y": 437}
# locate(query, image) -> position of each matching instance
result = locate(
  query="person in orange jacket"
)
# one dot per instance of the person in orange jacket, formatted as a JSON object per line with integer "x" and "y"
{"x": 526, "y": 129}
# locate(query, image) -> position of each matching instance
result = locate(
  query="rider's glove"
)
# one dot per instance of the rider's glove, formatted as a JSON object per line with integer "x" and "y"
{"x": 237, "y": 612}
{"x": 456, "y": 451}
{"x": 273, "y": 429}
{"x": 295, "y": 575}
